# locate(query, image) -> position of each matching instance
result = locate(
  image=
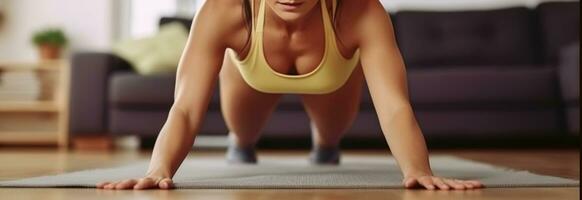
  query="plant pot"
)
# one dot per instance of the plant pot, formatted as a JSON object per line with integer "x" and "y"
{"x": 49, "y": 52}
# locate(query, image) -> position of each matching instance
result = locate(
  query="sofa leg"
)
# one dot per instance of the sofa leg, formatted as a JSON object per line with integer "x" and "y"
{"x": 93, "y": 142}
{"x": 147, "y": 142}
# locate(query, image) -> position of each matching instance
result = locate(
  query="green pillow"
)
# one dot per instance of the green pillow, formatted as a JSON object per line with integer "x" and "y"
{"x": 157, "y": 54}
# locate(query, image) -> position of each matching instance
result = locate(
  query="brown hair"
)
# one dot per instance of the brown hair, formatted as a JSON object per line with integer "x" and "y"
{"x": 248, "y": 16}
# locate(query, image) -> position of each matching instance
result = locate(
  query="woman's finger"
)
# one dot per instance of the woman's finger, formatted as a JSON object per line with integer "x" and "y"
{"x": 454, "y": 184}
{"x": 426, "y": 182}
{"x": 440, "y": 183}
{"x": 410, "y": 182}
{"x": 106, "y": 186}
{"x": 145, "y": 183}
{"x": 166, "y": 183}
{"x": 467, "y": 184}
{"x": 475, "y": 183}
{"x": 102, "y": 184}
{"x": 127, "y": 184}
{"x": 110, "y": 185}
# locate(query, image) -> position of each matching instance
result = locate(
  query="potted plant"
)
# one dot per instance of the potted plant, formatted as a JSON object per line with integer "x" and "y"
{"x": 50, "y": 42}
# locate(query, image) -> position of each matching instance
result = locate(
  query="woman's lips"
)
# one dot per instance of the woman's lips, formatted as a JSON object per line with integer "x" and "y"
{"x": 290, "y": 6}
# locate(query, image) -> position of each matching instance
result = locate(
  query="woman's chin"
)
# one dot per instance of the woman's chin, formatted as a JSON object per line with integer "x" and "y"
{"x": 290, "y": 16}
{"x": 293, "y": 12}
{"x": 297, "y": 7}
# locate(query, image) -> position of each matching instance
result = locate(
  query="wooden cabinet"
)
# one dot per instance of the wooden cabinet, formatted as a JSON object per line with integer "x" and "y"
{"x": 38, "y": 120}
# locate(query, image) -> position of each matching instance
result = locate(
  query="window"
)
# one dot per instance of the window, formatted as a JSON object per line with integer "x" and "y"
{"x": 139, "y": 18}
{"x": 144, "y": 15}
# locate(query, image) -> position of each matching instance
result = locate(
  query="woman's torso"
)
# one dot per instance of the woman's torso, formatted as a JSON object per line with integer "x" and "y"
{"x": 300, "y": 52}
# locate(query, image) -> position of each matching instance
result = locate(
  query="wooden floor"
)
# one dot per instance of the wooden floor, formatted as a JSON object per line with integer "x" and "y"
{"x": 20, "y": 163}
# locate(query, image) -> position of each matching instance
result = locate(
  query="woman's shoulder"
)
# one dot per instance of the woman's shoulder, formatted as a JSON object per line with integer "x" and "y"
{"x": 350, "y": 16}
{"x": 224, "y": 17}
{"x": 224, "y": 12}
{"x": 354, "y": 10}
{"x": 355, "y": 15}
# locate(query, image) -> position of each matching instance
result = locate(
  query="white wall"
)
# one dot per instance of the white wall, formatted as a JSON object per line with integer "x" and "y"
{"x": 88, "y": 23}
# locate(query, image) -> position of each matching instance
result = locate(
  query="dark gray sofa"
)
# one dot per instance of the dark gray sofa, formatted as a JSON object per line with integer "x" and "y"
{"x": 503, "y": 73}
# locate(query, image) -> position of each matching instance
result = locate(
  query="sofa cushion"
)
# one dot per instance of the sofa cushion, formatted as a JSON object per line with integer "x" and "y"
{"x": 560, "y": 25}
{"x": 155, "y": 54}
{"x": 131, "y": 90}
{"x": 489, "y": 123}
{"x": 569, "y": 73}
{"x": 483, "y": 86}
{"x": 465, "y": 38}
{"x": 149, "y": 122}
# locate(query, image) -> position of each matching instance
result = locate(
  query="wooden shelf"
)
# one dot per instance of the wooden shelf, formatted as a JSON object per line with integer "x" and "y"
{"x": 28, "y": 137}
{"x": 42, "y": 65}
{"x": 41, "y": 121}
{"x": 28, "y": 106}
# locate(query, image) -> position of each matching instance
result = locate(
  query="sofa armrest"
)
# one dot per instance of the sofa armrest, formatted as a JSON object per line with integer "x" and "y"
{"x": 88, "y": 96}
{"x": 569, "y": 72}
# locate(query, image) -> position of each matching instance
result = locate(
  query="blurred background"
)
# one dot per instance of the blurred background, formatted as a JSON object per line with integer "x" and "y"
{"x": 101, "y": 73}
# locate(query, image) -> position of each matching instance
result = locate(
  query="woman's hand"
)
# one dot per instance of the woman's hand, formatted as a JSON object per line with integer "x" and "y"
{"x": 433, "y": 182}
{"x": 150, "y": 182}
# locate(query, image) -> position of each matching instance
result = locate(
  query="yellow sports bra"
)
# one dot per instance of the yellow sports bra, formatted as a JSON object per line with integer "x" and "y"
{"x": 333, "y": 71}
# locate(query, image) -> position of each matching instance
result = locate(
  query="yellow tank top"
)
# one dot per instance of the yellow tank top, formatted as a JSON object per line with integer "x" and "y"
{"x": 331, "y": 73}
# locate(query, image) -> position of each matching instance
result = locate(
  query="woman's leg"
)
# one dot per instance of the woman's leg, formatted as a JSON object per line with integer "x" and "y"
{"x": 332, "y": 115}
{"x": 245, "y": 111}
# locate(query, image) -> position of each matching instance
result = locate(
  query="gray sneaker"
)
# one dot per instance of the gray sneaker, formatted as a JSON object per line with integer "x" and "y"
{"x": 325, "y": 156}
{"x": 238, "y": 155}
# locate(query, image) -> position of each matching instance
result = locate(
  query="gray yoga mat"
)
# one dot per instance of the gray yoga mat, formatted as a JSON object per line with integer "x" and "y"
{"x": 295, "y": 172}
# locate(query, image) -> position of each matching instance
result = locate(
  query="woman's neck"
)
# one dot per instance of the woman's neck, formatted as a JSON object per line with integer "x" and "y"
{"x": 297, "y": 24}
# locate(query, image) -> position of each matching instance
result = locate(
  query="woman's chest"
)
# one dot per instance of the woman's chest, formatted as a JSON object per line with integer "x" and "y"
{"x": 302, "y": 52}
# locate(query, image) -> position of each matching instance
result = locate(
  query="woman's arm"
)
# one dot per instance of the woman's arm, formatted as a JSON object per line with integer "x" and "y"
{"x": 196, "y": 76}
{"x": 385, "y": 75}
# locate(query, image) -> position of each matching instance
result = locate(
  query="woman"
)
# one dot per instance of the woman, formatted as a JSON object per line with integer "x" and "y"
{"x": 322, "y": 50}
